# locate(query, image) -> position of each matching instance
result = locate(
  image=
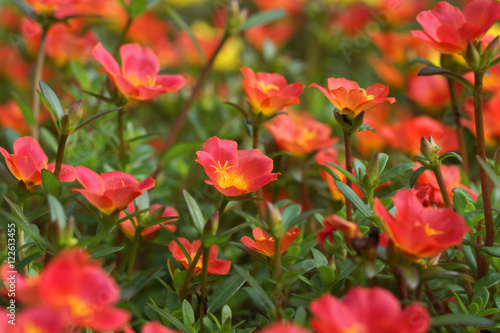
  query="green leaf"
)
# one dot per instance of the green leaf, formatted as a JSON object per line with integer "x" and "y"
{"x": 354, "y": 199}
{"x": 319, "y": 258}
{"x": 327, "y": 170}
{"x": 259, "y": 291}
{"x": 53, "y": 100}
{"x": 262, "y": 18}
{"x": 394, "y": 172}
{"x": 51, "y": 110}
{"x": 25, "y": 109}
{"x": 345, "y": 173}
{"x": 26, "y": 261}
{"x": 433, "y": 70}
{"x": 493, "y": 176}
{"x": 104, "y": 252}
{"x": 50, "y": 183}
{"x": 410, "y": 275}
{"x": 137, "y": 7}
{"x": 461, "y": 319}
{"x": 290, "y": 213}
{"x": 382, "y": 162}
{"x": 421, "y": 60}
{"x": 493, "y": 251}
{"x": 194, "y": 211}
{"x": 460, "y": 202}
{"x": 25, "y": 8}
{"x": 225, "y": 291}
{"x": 451, "y": 154}
{"x": 488, "y": 281}
{"x": 187, "y": 313}
{"x": 57, "y": 213}
{"x": 436, "y": 272}
{"x": 139, "y": 281}
{"x": 417, "y": 174}
{"x": 170, "y": 318}
{"x": 174, "y": 238}
{"x": 184, "y": 26}
{"x": 327, "y": 276}
{"x": 300, "y": 218}
{"x": 96, "y": 116}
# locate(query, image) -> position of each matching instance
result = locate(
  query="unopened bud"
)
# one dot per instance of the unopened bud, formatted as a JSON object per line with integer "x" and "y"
{"x": 430, "y": 149}
{"x": 372, "y": 168}
{"x": 473, "y": 56}
{"x": 212, "y": 224}
{"x": 491, "y": 50}
{"x": 274, "y": 220}
{"x": 75, "y": 112}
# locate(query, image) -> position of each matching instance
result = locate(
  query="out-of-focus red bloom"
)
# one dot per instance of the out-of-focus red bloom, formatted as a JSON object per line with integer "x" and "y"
{"x": 291, "y": 6}
{"x": 283, "y": 327}
{"x": 138, "y": 78}
{"x": 269, "y": 92}
{"x": 265, "y": 244}
{"x": 349, "y": 98}
{"x": 397, "y": 12}
{"x": 427, "y": 188}
{"x": 491, "y": 114}
{"x": 28, "y": 161}
{"x": 367, "y": 310}
{"x": 27, "y": 291}
{"x": 156, "y": 327}
{"x": 61, "y": 9}
{"x": 299, "y": 134}
{"x": 12, "y": 117}
{"x": 38, "y": 320}
{"x": 13, "y": 67}
{"x": 353, "y": 19}
{"x": 110, "y": 191}
{"x": 333, "y": 223}
{"x": 215, "y": 266}
{"x": 368, "y": 142}
{"x": 234, "y": 172}
{"x": 406, "y": 134}
{"x": 448, "y": 30}
{"x": 278, "y": 32}
{"x": 421, "y": 231}
{"x": 431, "y": 92}
{"x": 150, "y": 232}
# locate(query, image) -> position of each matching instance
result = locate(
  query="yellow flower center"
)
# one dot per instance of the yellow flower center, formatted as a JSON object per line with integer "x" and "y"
{"x": 266, "y": 87}
{"x": 432, "y": 232}
{"x": 32, "y": 328}
{"x": 307, "y": 135}
{"x": 368, "y": 97}
{"x": 144, "y": 81}
{"x": 228, "y": 179}
{"x": 356, "y": 328}
{"x": 78, "y": 307}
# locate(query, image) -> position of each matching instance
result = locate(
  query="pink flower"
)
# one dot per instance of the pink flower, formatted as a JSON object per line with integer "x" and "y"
{"x": 138, "y": 78}
{"x": 110, "y": 191}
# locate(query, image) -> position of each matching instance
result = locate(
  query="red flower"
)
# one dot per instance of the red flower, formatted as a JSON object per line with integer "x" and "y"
{"x": 367, "y": 310}
{"x": 348, "y": 97}
{"x": 28, "y": 161}
{"x": 110, "y": 191}
{"x": 421, "y": 231}
{"x": 333, "y": 223}
{"x": 299, "y": 134}
{"x": 283, "y": 327}
{"x": 39, "y": 320}
{"x": 138, "y": 78}
{"x": 234, "y": 172}
{"x": 150, "y": 232}
{"x": 427, "y": 188}
{"x": 12, "y": 117}
{"x": 449, "y": 30}
{"x": 265, "y": 244}
{"x": 278, "y": 32}
{"x": 491, "y": 112}
{"x": 431, "y": 92}
{"x": 156, "y": 327}
{"x": 215, "y": 266}
{"x": 269, "y": 92}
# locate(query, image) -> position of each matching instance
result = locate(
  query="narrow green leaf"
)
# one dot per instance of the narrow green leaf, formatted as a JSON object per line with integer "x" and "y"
{"x": 225, "y": 291}
{"x": 57, "y": 213}
{"x": 194, "y": 211}
{"x": 489, "y": 280}
{"x": 382, "y": 162}
{"x": 104, "y": 252}
{"x": 394, "y": 172}
{"x": 493, "y": 176}
{"x": 25, "y": 109}
{"x": 290, "y": 212}
{"x": 100, "y": 97}
{"x": 170, "y": 318}
{"x": 187, "y": 313}
{"x": 417, "y": 174}
{"x": 462, "y": 319}
{"x": 96, "y": 116}
{"x": 433, "y": 70}
{"x": 345, "y": 173}
{"x": 50, "y": 183}
{"x": 319, "y": 258}
{"x": 26, "y": 261}
{"x": 137, "y": 7}
{"x": 327, "y": 170}
{"x": 260, "y": 292}
{"x": 53, "y": 100}
{"x": 174, "y": 238}
{"x": 421, "y": 60}
{"x": 354, "y": 199}
{"x": 139, "y": 281}
{"x": 50, "y": 108}
{"x": 300, "y": 218}
{"x": 491, "y": 250}
{"x": 451, "y": 154}
{"x": 262, "y": 18}
{"x": 464, "y": 192}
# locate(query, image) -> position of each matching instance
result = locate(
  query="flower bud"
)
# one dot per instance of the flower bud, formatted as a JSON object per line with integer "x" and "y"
{"x": 491, "y": 50}
{"x": 274, "y": 220}
{"x": 212, "y": 224}
{"x": 372, "y": 168}
{"x": 472, "y": 56}
{"x": 430, "y": 149}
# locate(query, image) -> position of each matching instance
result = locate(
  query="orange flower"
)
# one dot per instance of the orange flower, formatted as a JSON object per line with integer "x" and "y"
{"x": 449, "y": 30}
{"x": 234, "y": 172}
{"x": 365, "y": 310}
{"x": 431, "y": 92}
{"x": 491, "y": 114}
{"x": 427, "y": 188}
{"x": 150, "y": 232}
{"x": 269, "y": 92}
{"x": 28, "y": 161}
{"x": 421, "y": 231}
{"x": 333, "y": 223}
{"x": 138, "y": 78}
{"x": 349, "y": 98}
{"x": 265, "y": 244}
{"x": 12, "y": 117}
{"x": 299, "y": 134}
{"x": 215, "y": 266}
{"x": 278, "y": 33}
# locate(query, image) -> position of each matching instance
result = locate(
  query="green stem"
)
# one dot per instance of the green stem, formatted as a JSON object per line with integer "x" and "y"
{"x": 204, "y": 276}
{"x": 442, "y": 185}
{"x": 22, "y": 253}
{"x": 189, "y": 274}
{"x": 121, "y": 136}
{"x": 277, "y": 273}
{"x": 458, "y": 126}
{"x": 481, "y": 150}
{"x": 63, "y": 138}
{"x": 348, "y": 167}
{"x": 122, "y": 36}
{"x": 255, "y": 143}
{"x": 133, "y": 254}
{"x": 40, "y": 59}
